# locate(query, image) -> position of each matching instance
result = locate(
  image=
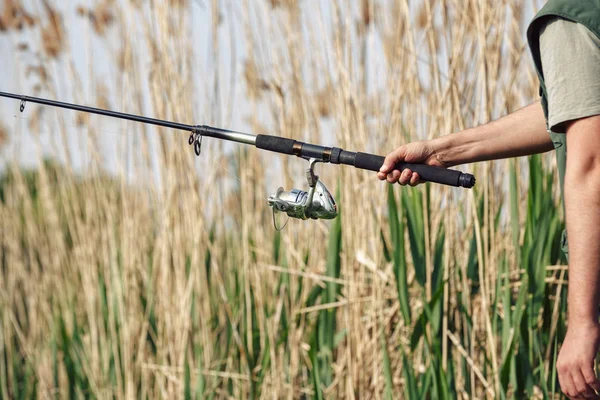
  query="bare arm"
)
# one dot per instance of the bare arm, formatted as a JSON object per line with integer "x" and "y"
{"x": 575, "y": 362}
{"x": 518, "y": 134}
{"x": 582, "y": 205}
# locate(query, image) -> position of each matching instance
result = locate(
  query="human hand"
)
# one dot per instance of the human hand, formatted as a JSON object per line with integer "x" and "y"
{"x": 421, "y": 152}
{"x": 575, "y": 364}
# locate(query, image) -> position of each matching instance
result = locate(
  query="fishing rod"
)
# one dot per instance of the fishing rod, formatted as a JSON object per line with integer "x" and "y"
{"x": 315, "y": 203}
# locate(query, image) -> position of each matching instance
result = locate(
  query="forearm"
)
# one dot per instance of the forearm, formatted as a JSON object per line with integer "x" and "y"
{"x": 582, "y": 206}
{"x": 521, "y": 133}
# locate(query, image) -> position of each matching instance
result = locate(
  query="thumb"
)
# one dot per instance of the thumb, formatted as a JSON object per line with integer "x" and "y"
{"x": 393, "y": 158}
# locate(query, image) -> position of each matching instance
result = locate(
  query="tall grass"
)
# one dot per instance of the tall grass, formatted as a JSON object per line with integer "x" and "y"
{"x": 143, "y": 272}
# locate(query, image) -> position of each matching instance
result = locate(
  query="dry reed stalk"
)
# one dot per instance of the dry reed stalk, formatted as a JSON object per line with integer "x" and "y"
{"x": 157, "y": 280}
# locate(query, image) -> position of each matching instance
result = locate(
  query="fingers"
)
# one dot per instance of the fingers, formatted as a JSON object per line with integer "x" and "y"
{"x": 586, "y": 383}
{"x": 566, "y": 383}
{"x": 414, "y": 179}
{"x": 391, "y": 160}
{"x": 590, "y": 378}
{"x": 406, "y": 177}
{"x": 579, "y": 384}
{"x": 391, "y": 175}
{"x": 582, "y": 390}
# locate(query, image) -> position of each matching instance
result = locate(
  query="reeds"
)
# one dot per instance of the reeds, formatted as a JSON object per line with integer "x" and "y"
{"x": 144, "y": 272}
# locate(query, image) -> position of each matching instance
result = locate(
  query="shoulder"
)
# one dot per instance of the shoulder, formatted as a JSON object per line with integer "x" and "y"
{"x": 584, "y": 12}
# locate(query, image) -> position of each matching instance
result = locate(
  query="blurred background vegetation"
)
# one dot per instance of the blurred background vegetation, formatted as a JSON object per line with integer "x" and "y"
{"x": 131, "y": 268}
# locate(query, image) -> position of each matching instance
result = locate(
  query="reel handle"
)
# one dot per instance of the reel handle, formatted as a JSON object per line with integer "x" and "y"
{"x": 428, "y": 173}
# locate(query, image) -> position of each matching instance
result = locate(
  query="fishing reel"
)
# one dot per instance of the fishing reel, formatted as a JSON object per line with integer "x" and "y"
{"x": 317, "y": 203}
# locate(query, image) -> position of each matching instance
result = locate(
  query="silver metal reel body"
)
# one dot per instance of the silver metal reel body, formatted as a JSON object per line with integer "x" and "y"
{"x": 317, "y": 203}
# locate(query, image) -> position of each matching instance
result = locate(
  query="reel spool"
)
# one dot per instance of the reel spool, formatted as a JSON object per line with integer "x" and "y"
{"x": 317, "y": 203}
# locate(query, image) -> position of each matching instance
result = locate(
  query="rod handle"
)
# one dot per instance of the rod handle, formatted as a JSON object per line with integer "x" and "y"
{"x": 428, "y": 173}
{"x": 275, "y": 143}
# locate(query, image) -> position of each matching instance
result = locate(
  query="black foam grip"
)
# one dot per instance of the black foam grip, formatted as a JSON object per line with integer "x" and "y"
{"x": 428, "y": 173}
{"x": 275, "y": 143}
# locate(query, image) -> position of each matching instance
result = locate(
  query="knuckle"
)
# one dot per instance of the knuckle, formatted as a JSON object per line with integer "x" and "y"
{"x": 394, "y": 155}
{"x": 562, "y": 367}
